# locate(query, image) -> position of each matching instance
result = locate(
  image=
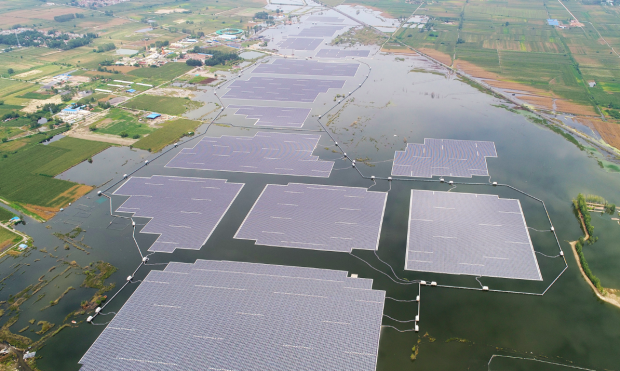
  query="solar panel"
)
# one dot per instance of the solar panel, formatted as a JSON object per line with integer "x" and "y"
{"x": 339, "y": 53}
{"x": 281, "y": 89}
{"x": 255, "y": 317}
{"x": 183, "y": 211}
{"x": 319, "y": 31}
{"x": 444, "y": 157}
{"x": 325, "y": 19}
{"x": 316, "y": 217}
{"x": 471, "y": 234}
{"x": 285, "y": 117}
{"x": 267, "y": 153}
{"x": 306, "y": 67}
{"x": 301, "y": 43}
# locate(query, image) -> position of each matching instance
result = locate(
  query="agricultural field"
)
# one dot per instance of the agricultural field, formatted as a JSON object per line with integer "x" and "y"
{"x": 168, "y": 105}
{"x": 165, "y": 73}
{"x": 5, "y": 215}
{"x": 8, "y": 238}
{"x": 119, "y": 121}
{"x": 511, "y": 45}
{"x": 28, "y": 174}
{"x": 171, "y": 132}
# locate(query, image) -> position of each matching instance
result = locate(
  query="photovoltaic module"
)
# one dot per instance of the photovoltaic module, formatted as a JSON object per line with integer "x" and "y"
{"x": 281, "y": 89}
{"x": 220, "y": 315}
{"x": 306, "y": 67}
{"x": 444, "y": 157}
{"x": 339, "y": 53}
{"x": 267, "y": 153}
{"x": 284, "y": 117}
{"x": 472, "y": 234}
{"x": 317, "y": 217}
{"x": 183, "y": 211}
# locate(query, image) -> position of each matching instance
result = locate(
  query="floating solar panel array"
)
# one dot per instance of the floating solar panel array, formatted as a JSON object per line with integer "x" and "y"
{"x": 320, "y": 31}
{"x": 281, "y": 89}
{"x": 324, "y": 19}
{"x": 444, "y": 157}
{"x": 339, "y": 53}
{"x": 317, "y": 217}
{"x": 184, "y": 211}
{"x": 267, "y": 153}
{"x": 472, "y": 234}
{"x": 301, "y": 43}
{"x": 285, "y": 117}
{"x": 218, "y": 315}
{"x": 306, "y": 67}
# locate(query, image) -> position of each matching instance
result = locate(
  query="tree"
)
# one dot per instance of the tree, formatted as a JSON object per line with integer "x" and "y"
{"x": 194, "y": 62}
{"x": 11, "y": 71}
{"x": 66, "y": 97}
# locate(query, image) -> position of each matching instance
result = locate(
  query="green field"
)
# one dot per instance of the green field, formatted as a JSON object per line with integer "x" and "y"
{"x": 166, "y": 72}
{"x": 123, "y": 122}
{"x": 27, "y": 176}
{"x": 168, "y": 105}
{"x": 8, "y": 238}
{"x": 513, "y": 40}
{"x": 171, "y": 132}
{"x": 5, "y": 214}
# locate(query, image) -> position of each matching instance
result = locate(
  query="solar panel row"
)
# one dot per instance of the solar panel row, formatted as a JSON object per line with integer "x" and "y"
{"x": 472, "y": 234}
{"x": 301, "y": 43}
{"x": 340, "y": 53}
{"x": 267, "y": 153}
{"x": 444, "y": 157}
{"x": 317, "y": 217}
{"x": 184, "y": 211}
{"x": 248, "y": 317}
{"x": 281, "y": 89}
{"x": 320, "y": 31}
{"x": 306, "y": 67}
{"x": 274, "y": 116}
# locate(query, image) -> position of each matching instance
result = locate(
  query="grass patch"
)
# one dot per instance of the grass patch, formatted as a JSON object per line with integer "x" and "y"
{"x": 168, "y": 105}
{"x": 11, "y": 338}
{"x": 96, "y": 276}
{"x": 166, "y": 72}
{"x": 28, "y": 175}
{"x": 45, "y": 327}
{"x": 8, "y": 238}
{"x": 33, "y": 95}
{"x": 119, "y": 121}
{"x": 5, "y": 214}
{"x": 171, "y": 132}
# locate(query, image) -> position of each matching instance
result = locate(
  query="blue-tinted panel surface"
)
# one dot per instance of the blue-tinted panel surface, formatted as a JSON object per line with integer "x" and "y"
{"x": 465, "y": 233}
{"x": 243, "y": 317}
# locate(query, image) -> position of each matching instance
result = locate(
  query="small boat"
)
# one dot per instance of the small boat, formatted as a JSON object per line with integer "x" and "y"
{"x": 73, "y": 322}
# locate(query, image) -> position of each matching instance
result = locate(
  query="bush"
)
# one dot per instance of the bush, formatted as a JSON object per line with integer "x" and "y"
{"x": 194, "y": 62}
{"x": 105, "y": 48}
{"x": 10, "y": 71}
{"x": 124, "y": 134}
{"x": 136, "y": 136}
{"x": 64, "y": 17}
{"x": 66, "y": 97}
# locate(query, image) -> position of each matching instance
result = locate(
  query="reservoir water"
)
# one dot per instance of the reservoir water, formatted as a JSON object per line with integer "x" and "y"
{"x": 394, "y": 106}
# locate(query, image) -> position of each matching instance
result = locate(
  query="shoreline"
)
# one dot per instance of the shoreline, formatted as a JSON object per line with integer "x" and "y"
{"x": 611, "y": 298}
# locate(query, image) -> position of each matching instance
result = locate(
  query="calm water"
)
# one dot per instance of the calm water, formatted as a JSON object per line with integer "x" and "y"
{"x": 393, "y": 107}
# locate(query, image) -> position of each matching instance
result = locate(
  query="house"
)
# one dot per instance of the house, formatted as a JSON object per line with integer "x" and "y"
{"x": 153, "y": 116}
{"x": 592, "y": 83}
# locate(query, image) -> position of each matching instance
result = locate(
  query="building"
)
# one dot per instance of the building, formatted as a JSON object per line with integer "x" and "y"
{"x": 153, "y": 116}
